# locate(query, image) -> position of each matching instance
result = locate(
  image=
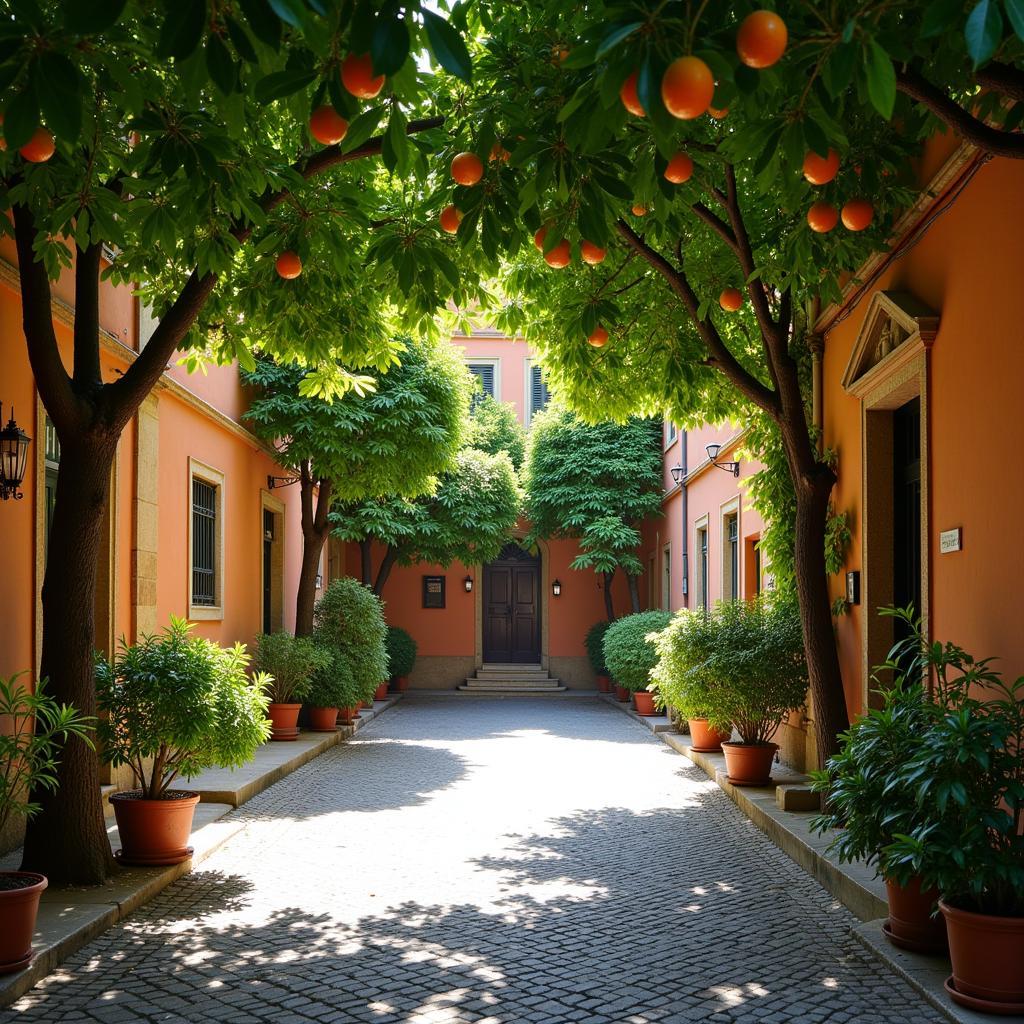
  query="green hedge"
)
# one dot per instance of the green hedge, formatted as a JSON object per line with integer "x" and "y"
{"x": 628, "y": 654}
{"x": 595, "y": 646}
{"x": 401, "y": 652}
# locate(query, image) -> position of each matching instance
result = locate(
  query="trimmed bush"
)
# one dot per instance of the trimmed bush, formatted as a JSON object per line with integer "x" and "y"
{"x": 628, "y": 653}
{"x": 290, "y": 661}
{"x": 349, "y": 622}
{"x": 682, "y": 647}
{"x": 595, "y": 646}
{"x": 401, "y": 650}
{"x": 332, "y": 684}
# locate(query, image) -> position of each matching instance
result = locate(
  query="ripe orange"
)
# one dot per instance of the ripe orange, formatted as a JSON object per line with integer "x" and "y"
{"x": 39, "y": 148}
{"x": 822, "y": 217}
{"x": 598, "y": 337}
{"x": 538, "y": 237}
{"x": 687, "y": 88}
{"x": 288, "y": 265}
{"x": 467, "y": 168}
{"x": 327, "y": 126}
{"x": 717, "y": 113}
{"x": 499, "y": 152}
{"x": 639, "y": 209}
{"x": 357, "y": 76}
{"x": 857, "y": 214}
{"x": 451, "y": 218}
{"x": 591, "y": 253}
{"x": 820, "y": 170}
{"x": 731, "y": 299}
{"x": 680, "y": 169}
{"x": 560, "y": 256}
{"x": 762, "y": 39}
{"x": 630, "y": 98}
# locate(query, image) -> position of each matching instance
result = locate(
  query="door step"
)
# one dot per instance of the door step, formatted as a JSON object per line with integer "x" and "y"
{"x": 511, "y": 679}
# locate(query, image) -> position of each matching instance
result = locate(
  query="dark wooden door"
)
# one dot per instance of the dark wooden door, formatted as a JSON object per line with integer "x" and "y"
{"x": 906, "y": 493}
{"x": 511, "y": 619}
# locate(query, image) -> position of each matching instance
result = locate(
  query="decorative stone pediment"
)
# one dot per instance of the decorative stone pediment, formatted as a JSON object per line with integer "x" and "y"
{"x": 897, "y": 327}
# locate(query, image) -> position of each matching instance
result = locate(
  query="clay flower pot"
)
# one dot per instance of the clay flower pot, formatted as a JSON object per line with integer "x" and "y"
{"x": 323, "y": 719}
{"x": 644, "y": 702}
{"x": 604, "y": 684}
{"x": 19, "y": 905}
{"x": 154, "y": 831}
{"x": 621, "y": 694}
{"x": 987, "y": 954}
{"x": 910, "y": 925}
{"x": 347, "y": 716}
{"x": 705, "y": 739}
{"x": 749, "y": 764}
{"x": 402, "y": 683}
{"x": 284, "y": 721}
{"x": 381, "y": 692}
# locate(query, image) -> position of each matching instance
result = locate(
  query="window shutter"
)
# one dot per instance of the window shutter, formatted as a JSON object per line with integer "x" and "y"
{"x": 484, "y": 373}
{"x": 539, "y": 394}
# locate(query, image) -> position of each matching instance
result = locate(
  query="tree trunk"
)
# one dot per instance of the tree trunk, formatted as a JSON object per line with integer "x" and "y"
{"x": 386, "y": 565}
{"x": 315, "y": 528}
{"x": 608, "y": 606}
{"x": 366, "y": 560}
{"x": 634, "y": 592}
{"x": 67, "y": 840}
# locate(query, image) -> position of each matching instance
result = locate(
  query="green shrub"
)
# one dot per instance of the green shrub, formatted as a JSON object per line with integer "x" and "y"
{"x": 183, "y": 701}
{"x": 629, "y": 654}
{"x": 290, "y": 661}
{"x": 349, "y": 621}
{"x": 332, "y": 685}
{"x": 38, "y": 728}
{"x": 677, "y": 679}
{"x": 401, "y": 650}
{"x": 595, "y": 646}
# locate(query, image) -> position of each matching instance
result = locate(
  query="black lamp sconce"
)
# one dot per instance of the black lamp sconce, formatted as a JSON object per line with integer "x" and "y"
{"x": 14, "y": 444}
{"x": 729, "y": 467}
{"x": 468, "y": 584}
{"x": 556, "y": 588}
{"x": 280, "y": 481}
{"x": 677, "y": 473}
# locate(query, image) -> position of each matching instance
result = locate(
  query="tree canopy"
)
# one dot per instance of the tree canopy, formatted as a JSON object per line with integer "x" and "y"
{"x": 494, "y": 427}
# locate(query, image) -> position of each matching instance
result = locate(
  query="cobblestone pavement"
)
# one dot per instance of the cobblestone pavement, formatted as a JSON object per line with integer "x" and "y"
{"x": 493, "y": 861}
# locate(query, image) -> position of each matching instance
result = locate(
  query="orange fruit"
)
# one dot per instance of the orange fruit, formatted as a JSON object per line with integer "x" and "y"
{"x": 598, "y": 337}
{"x": 857, "y": 214}
{"x": 822, "y": 217}
{"x": 498, "y": 152}
{"x": 687, "y": 88}
{"x": 630, "y": 98}
{"x": 717, "y": 113}
{"x": 731, "y": 299}
{"x": 538, "y": 237}
{"x": 560, "y": 256}
{"x": 327, "y": 126}
{"x": 680, "y": 169}
{"x": 451, "y": 218}
{"x": 639, "y": 209}
{"x": 467, "y": 168}
{"x": 820, "y": 170}
{"x": 761, "y": 39}
{"x": 39, "y": 148}
{"x": 358, "y": 78}
{"x": 591, "y": 253}
{"x": 559, "y": 53}
{"x": 288, "y": 265}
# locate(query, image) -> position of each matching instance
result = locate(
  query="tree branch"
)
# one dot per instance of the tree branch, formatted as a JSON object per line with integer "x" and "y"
{"x": 717, "y": 225}
{"x": 323, "y": 505}
{"x": 1002, "y": 78}
{"x": 985, "y": 137}
{"x": 746, "y": 382}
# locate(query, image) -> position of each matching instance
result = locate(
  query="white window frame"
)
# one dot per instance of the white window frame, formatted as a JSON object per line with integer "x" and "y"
{"x": 701, "y": 525}
{"x": 201, "y": 471}
{"x": 666, "y": 578}
{"x": 528, "y": 363}
{"x": 730, "y": 508}
{"x": 487, "y": 361}
{"x": 671, "y": 435}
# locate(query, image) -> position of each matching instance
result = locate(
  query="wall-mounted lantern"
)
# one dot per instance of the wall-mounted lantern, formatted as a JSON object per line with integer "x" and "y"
{"x": 556, "y": 588}
{"x": 280, "y": 481}
{"x": 319, "y": 582}
{"x": 677, "y": 473}
{"x": 13, "y": 458}
{"x": 729, "y": 467}
{"x": 468, "y": 584}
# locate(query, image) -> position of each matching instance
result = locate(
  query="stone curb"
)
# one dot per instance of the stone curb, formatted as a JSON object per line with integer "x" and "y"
{"x": 70, "y": 917}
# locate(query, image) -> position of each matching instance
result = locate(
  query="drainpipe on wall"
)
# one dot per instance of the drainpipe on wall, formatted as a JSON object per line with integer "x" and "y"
{"x": 686, "y": 531}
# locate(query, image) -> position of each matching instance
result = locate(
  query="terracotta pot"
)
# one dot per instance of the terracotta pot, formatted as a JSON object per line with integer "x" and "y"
{"x": 621, "y": 694}
{"x": 284, "y": 721}
{"x": 382, "y": 692}
{"x": 403, "y": 683}
{"x": 910, "y": 924}
{"x": 323, "y": 719}
{"x": 749, "y": 764}
{"x": 154, "y": 831}
{"x": 704, "y": 739}
{"x": 348, "y": 715}
{"x": 604, "y": 684}
{"x": 987, "y": 954}
{"x": 644, "y": 703}
{"x": 18, "y": 909}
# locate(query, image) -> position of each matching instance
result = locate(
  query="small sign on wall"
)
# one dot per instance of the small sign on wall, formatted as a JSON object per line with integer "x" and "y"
{"x": 433, "y": 591}
{"x": 951, "y": 540}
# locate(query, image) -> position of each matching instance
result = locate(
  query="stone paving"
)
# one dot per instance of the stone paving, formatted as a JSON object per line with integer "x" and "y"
{"x": 489, "y": 861}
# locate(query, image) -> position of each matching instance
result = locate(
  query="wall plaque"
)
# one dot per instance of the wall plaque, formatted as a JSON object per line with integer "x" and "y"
{"x": 433, "y": 591}
{"x": 951, "y": 540}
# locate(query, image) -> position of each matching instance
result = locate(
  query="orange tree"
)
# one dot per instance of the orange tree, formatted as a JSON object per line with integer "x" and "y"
{"x": 676, "y": 187}
{"x": 222, "y": 159}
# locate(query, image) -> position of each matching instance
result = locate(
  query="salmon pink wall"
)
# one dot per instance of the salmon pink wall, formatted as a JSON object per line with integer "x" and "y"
{"x": 514, "y": 356}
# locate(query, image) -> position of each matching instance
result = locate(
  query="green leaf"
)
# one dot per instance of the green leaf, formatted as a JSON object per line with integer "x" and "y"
{"x": 59, "y": 87}
{"x": 265, "y": 25}
{"x": 1015, "y": 15}
{"x": 389, "y": 46}
{"x": 616, "y": 36}
{"x": 21, "y": 118}
{"x": 448, "y": 46}
{"x": 362, "y": 128}
{"x": 292, "y": 12}
{"x": 938, "y": 17}
{"x": 182, "y": 28}
{"x": 881, "y": 80}
{"x": 221, "y": 65}
{"x": 983, "y": 31}
{"x": 838, "y": 70}
{"x": 240, "y": 40}
{"x": 279, "y": 84}
{"x": 88, "y": 16}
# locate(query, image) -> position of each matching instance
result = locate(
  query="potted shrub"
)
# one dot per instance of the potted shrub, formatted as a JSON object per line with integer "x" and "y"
{"x": 331, "y": 689}
{"x": 176, "y": 704}
{"x": 679, "y": 681}
{"x": 630, "y": 654}
{"x": 401, "y": 650}
{"x": 38, "y": 728}
{"x": 595, "y": 652}
{"x": 757, "y": 675}
{"x": 289, "y": 662}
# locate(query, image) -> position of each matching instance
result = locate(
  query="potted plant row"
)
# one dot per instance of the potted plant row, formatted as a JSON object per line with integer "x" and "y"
{"x": 401, "y": 650}
{"x": 37, "y": 730}
{"x": 594, "y": 643}
{"x": 174, "y": 705}
{"x": 290, "y": 663}
{"x": 630, "y": 654}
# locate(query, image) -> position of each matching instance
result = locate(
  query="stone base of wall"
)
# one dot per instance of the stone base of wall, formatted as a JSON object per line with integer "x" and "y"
{"x": 575, "y": 673}
{"x": 797, "y": 744}
{"x": 441, "y": 672}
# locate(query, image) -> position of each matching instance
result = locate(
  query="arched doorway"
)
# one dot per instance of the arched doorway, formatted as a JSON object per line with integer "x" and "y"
{"x": 511, "y": 608}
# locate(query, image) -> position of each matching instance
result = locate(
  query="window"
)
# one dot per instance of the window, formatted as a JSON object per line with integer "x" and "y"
{"x": 51, "y": 466}
{"x": 539, "y": 395}
{"x": 730, "y": 556}
{"x": 666, "y": 578}
{"x": 702, "y": 566}
{"x": 206, "y": 542}
{"x": 670, "y": 434}
{"x": 486, "y": 374}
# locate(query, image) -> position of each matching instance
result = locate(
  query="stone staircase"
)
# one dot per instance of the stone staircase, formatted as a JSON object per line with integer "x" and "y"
{"x": 530, "y": 679}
